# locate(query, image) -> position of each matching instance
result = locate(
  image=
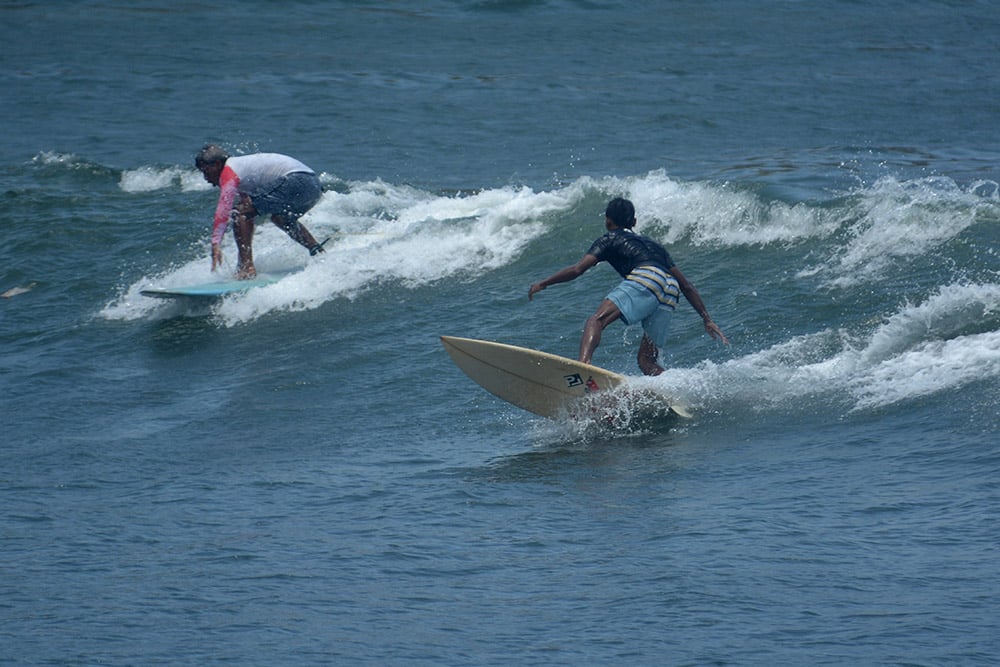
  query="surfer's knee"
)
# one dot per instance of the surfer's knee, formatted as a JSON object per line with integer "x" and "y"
{"x": 594, "y": 321}
{"x": 606, "y": 314}
{"x": 244, "y": 206}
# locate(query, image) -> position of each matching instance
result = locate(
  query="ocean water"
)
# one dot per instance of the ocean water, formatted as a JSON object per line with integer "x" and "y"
{"x": 299, "y": 474}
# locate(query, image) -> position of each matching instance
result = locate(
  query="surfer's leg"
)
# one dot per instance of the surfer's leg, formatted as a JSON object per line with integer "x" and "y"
{"x": 648, "y": 354}
{"x": 291, "y": 198}
{"x": 243, "y": 228}
{"x": 655, "y": 335}
{"x": 295, "y": 229}
{"x": 606, "y": 313}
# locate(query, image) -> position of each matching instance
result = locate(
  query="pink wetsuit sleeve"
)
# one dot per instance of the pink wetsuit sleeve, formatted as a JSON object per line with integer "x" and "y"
{"x": 229, "y": 186}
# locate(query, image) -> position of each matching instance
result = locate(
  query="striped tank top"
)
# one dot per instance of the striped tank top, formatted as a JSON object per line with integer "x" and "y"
{"x": 659, "y": 282}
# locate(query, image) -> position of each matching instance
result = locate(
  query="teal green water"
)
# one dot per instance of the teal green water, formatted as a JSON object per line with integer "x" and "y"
{"x": 299, "y": 474}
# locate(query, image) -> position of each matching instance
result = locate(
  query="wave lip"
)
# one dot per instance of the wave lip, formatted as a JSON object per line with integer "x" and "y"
{"x": 379, "y": 235}
{"x": 399, "y": 237}
{"x": 950, "y": 340}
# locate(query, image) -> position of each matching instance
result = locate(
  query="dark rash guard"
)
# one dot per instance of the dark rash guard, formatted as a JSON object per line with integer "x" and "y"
{"x": 625, "y": 250}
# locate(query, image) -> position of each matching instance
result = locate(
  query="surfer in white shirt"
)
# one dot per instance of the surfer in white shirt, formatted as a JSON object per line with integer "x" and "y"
{"x": 258, "y": 184}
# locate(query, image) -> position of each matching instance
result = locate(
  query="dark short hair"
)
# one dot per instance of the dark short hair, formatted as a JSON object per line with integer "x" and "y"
{"x": 210, "y": 154}
{"x": 621, "y": 211}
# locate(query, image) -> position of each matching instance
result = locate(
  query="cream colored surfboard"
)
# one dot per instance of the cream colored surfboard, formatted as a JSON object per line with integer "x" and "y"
{"x": 539, "y": 382}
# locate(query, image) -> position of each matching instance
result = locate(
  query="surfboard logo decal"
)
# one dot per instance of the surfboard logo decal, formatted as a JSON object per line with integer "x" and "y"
{"x": 576, "y": 380}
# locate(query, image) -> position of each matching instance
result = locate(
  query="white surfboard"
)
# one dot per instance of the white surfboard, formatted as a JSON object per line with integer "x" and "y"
{"x": 545, "y": 384}
{"x": 212, "y": 290}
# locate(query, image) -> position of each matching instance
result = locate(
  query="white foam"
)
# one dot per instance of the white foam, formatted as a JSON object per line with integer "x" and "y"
{"x": 404, "y": 237}
{"x": 856, "y": 237}
{"x": 717, "y": 214}
{"x": 148, "y": 179}
{"x": 379, "y": 234}
{"x": 894, "y": 222}
{"x": 151, "y": 179}
{"x": 948, "y": 341}
{"x": 929, "y": 368}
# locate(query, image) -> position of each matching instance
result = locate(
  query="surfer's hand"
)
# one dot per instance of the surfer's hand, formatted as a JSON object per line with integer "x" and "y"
{"x": 534, "y": 289}
{"x": 715, "y": 332}
{"x": 216, "y": 256}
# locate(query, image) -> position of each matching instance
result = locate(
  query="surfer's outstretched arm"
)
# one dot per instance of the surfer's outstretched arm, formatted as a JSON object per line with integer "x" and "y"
{"x": 563, "y": 275}
{"x": 694, "y": 298}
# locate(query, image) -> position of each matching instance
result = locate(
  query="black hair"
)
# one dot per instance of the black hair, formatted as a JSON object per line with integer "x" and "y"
{"x": 622, "y": 212}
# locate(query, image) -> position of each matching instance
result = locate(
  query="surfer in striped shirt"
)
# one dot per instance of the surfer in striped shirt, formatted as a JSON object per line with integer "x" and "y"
{"x": 648, "y": 292}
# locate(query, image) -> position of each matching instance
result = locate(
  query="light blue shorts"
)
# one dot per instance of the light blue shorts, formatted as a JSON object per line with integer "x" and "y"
{"x": 638, "y": 304}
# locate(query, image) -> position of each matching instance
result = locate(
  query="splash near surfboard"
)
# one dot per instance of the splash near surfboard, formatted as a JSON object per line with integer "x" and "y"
{"x": 545, "y": 384}
{"x": 211, "y": 290}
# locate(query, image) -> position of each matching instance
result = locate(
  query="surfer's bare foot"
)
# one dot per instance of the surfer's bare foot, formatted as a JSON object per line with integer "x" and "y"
{"x": 246, "y": 272}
